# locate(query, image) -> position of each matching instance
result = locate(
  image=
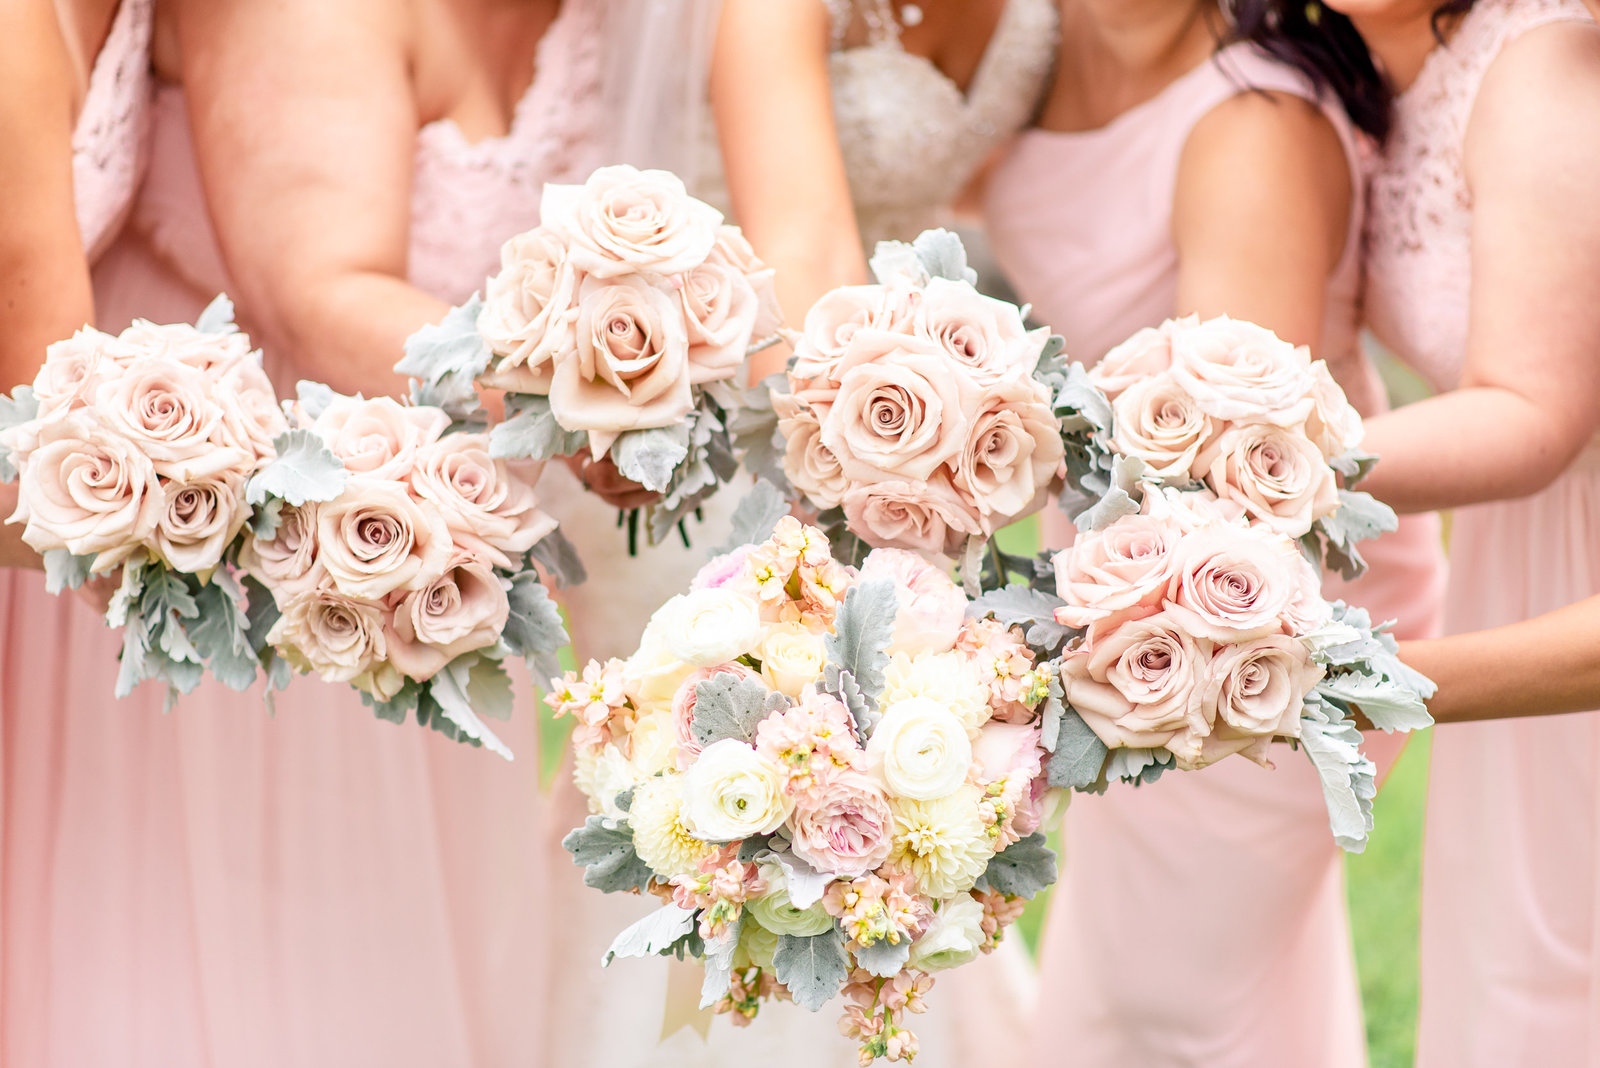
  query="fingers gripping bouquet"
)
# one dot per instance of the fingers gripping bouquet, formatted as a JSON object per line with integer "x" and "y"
{"x": 831, "y": 778}
{"x": 399, "y": 559}
{"x": 137, "y": 456}
{"x": 618, "y": 328}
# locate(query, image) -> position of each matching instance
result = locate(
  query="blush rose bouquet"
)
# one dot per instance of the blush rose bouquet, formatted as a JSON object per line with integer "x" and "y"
{"x": 831, "y": 777}
{"x": 146, "y": 456}
{"x": 619, "y": 328}
{"x": 413, "y": 582}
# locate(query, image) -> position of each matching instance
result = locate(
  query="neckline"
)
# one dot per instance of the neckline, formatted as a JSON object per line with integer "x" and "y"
{"x": 980, "y": 76}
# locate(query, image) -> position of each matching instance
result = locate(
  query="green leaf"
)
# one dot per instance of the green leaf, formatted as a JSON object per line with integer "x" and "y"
{"x": 649, "y": 457}
{"x": 813, "y": 967}
{"x": 446, "y": 359}
{"x": 218, "y": 317}
{"x": 1079, "y": 755}
{"x": 531, "y": 430}
{"x": 305, "y": 469}
{"x": 727, "y": 706}
{"x": 534, "y": 630}
{"x": 657, "y": 933}
{"x": 604, "y": 849}
{"x": 1023, "y": 869}
{"x": 560, "y": 560}
{"x": 863, "y": 628}
{"x": 64, "y": 571}
{"x": 1033, "y": 610}
{"x": 20, "y": 407}
{"x": 754, "y": 517}
{"x": 884, "y": 958}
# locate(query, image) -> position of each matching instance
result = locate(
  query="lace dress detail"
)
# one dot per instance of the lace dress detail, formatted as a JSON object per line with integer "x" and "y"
{"x": 468, "y": 197}
{"x": 911, "y": 139}
{"x": 109, "y": 140}
{"x": 1419, "y": 237}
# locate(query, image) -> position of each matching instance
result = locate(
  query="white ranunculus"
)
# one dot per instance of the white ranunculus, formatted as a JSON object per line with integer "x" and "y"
{"x": 733, "y": 792}
{"x": 920, "y": 749}
{"x": 711, "y": 627}
{"x": 953, "y": 938}
{"x": 792, "y": 657}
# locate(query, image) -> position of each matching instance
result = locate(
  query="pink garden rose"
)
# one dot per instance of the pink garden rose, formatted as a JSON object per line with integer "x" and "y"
{"x": 1233, "y": 584}
{"x": 930, "y": 607}
{"x": 1119, "y": 571}
{"x": 1139, "y": 683}
{"x": 1157, "y": 422}
{"x": 88, "y": 490}
{"x": 527, "y": 311}
{"x": 1007, "y": 751}
{"x": 810, "y": 466}
{"x": 720, "y": 307}
{"x": 930, "y": 516}
{"x": 901, "y": 409}
{"x": 1145, "y": 355}
{"x": 721, "y": 570}
{"x": 985, "y": 336}
{"x": 843, "y": 824}
{"x": 488, "y": 509}
{"x": 623, "y": 221}
{"x": 199, "y": 521}
{"x": 1258, "y": 687}
{"x": 375, "y": 538}
{"x": 1277, "y": 475}
{"x": 1240, "y": 371}
{"x": 286, "y": 563}
{"x": 1013, "y": 454}
{"x": 463, "y": 610}
{"x": 378, "y": 438}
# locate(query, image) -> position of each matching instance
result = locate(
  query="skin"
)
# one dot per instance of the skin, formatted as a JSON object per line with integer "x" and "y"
{"x": 771, "y": 99}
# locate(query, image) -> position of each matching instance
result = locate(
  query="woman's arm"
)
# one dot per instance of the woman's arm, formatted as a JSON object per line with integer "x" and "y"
{"x": 774, "y": 112}
{"x": 305, "y": 125}
{"x": 1529, "y": 399}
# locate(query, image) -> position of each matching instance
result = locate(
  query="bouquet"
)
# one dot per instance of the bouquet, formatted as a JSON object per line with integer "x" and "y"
{"x": 917, "y": 413}
{"x": 400, "y": 560}
{"x": 619, "y": 327}
{"x": 144, "y": 452}
{"x": 832, "y": 778}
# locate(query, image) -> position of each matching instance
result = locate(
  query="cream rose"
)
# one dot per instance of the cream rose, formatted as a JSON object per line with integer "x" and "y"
{"x": 528, "y": 309}
{"x": 1139, "y": 683}
{"x": 930, "y": 516}
{"x": 488, "y": 508}
{"x": 1232, "y": 584}
{"x": 376, "y": 538}
{"x": 462, "y": 610}
{"x": 843, "y": 825}
{"x": 1118, "y": 571}
{"x": 1240, "y": 371}
{"x": 830, "y": 324}
{"x": 720, "y": 307}
{"x": 1145, "y": 355}
{"x": 339, "y": 638}
{"x": 955, "y": 937}
{"x": 792, "y": 657}
{"x": 286, "y": 562}
{"x": 1334, "y": 423}
{"x": 711, "y": 627}
{"x": 166, "y": 410}
{"x": 811, "y": 466}
{"x": 1308, "y": 609}
{"x": 1157, "y": 422}
{"x": 252, "y": 418}
{"x": 985, "y": 336}
{"x": 920, "y": 749}
{"x": 929, "y": 608}
{"x": 900, "y": 411}
{"x": 88, "y": 491}
{"x": 199, "y": 521}
{"x": 732, "y": 792}
{"x": 1013, "y": 453}
{"x": 183, "y": 343}
{"x": 72, "y": 371}
{"x": 1277, "y": 475}
{"x": 624, "y": 220}
{"x": 1259, "y": 687}
{"x": 378, "y": 438}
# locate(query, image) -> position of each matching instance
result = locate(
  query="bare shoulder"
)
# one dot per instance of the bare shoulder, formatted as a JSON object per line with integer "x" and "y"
{"x": 34, "y": 67}
{"x": 1539, "y": 102}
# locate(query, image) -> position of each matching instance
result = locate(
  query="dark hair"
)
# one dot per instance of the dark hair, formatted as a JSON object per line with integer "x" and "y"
{"x": 1326, "y": 47}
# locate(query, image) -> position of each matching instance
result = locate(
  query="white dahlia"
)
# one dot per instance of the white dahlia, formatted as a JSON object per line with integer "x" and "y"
{"x": 659, "y": 835}
{"x": 952, "y": 679}
{"x": 943, "y": 843}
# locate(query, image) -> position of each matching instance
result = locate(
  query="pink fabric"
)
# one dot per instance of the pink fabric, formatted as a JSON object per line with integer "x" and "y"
{"x": 108, "y": 142}
{"x": 1510, "y": 970}
{"x": 1201, "y": 921}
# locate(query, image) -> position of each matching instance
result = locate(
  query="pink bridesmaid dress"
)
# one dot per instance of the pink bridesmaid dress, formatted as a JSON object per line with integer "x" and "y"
{"x": 1199, "y": 921}
{"x": 1510, "y": 965}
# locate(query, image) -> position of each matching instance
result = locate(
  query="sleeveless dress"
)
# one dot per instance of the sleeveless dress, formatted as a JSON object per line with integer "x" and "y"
{"x": 1199, "y": 921}
{"x": 1510, "y": 966}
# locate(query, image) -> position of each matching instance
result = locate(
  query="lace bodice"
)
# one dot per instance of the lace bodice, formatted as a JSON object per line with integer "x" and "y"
{"x": 108, "y": 143}
{"x": 468, "y": 197}
{"x": 911, "y": 139}
{"x": 1419, "y": 239}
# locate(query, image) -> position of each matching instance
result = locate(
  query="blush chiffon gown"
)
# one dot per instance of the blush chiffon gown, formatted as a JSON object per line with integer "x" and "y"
{"x": 1200, "y": 921}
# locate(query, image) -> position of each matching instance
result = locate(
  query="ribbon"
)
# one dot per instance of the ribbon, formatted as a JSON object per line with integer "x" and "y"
{"x": 682, "y": 1008}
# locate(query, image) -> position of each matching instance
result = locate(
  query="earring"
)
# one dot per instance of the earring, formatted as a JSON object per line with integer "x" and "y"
{"x": 1314, "y": 12}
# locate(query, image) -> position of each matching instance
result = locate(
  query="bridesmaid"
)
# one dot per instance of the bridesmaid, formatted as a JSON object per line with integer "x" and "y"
{"x": 1173, "y": 173}
{"x": 1483, "y": 214}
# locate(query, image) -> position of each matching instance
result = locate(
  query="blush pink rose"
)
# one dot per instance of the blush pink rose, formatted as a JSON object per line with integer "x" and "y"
{"x": 1160, "y": 424}
{"x": 1308, "y": 609}
{"x": 489, "y": 509}
{"x": 720, "y": 308}
{"x": 213, "y": 354}
{"x": 810, "y": 466}
{"x": 623, "y": 221}
{"x": 733, "y": 250}
{"x": 831, "y": 324}
{"x": 199, "y": 522}
{"x": 631, "y": 368}
{"x": 984, "y": 335}
{"x": 72, "y": 371}
{"x": 88, "y": 491}
{"x": 463, "y": 610}
{"x": 1258, "y": 687}
{"x": 1013, "y": 453}
{"x": 252, "y": 418}
{"x": 901, "y": 410}
{"x": 1145, "y": 355}
{"x": 929, "y": 516}
{"x": 286, "y": 563}
{"x": 930, "y": 608}
{"x": 1276, "y": 474}
{"x": 843, "y": 825}
{"x": 1119, "y": 571}
{"x": 339, "y": 638}
{"x": 1334, "y": 424}
{"x": 376, "y": 539}
{"x": 378, "y": 438}
{"x": 1233, "y": 584}
{"x": 528, "y": 312}
{"x": 166, "y": 410}
{"x": 1138, "y": 684}
{"x": 1240, "y": 371}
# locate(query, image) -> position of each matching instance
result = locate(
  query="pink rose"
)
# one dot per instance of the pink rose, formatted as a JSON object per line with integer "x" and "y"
{"x": 200, "y": 521}
{"x": 1119, "y": 571}
{"x": 1233, "y": 584}
{"x": 810, "y": 466}
{"x": 252, "y": 418}
{"x": 1334, "y": 424}
{"x": 73, "y": 370}
{"x": 720, "y": 308}
{"x": 1308, "y": 609}
{"x": 733, "y": 250}
{"x": 930, "y": 607}
{"x": 488, "y": 509}
{"x": 1240, "y": 371}
{"x": 926, "y": 516}
{"x": 1276, "y": 474}
{"x": 376, "y": 539}
{"x": 901, "y": 409}
{"x": 1138, "y": 684}
{"x": 463, "y": 610}
{"x": 1145, "y": 355}
{"x": 1160, "y": 424}
{"x": 624, "y": 221}
{"x": 984, "y": 335}
{"x": 1257, "y": 688}
{"x": 166, "y": 410}
{"x": 528, "y": 310}
{"x": 338, "y": 637}
{"x": 843, "y": 825}
{"x": 378, "y": 438}
{"x": 1192, "y": 509}
{"x": 88, "y": 491}
{"x": 212, "y": 354}
{"x": 1013, "y": 453}
{"x": 830, "y": 324}
{"x": 286, "y": 563}
{"x": 631, "y": 369}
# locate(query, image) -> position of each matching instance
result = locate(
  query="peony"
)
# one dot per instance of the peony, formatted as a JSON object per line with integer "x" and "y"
{"x": 944, "y": 844}
{"x": 88, "y": 491}
{"x": 955, "y": 937}
{"x": 929, "y": 607}
{"x": 901, "y": 409}
{"x": 778, "y": 914}
{"x": 1277, "y": 475}
{"x": 1013, "y": 453}
{"x": 792, "y": 657}
{"x": 1258, "y": 687}
{"x": 486, "y": 507}
{"x": 378, "y": 438}
{"x": 338, "y": 637}
{"x": 1160, "y": 424}
{"x": 375, "y": 539}
{"x": 711, "y": 627}
{"x": 720, "y": 308}
{"x": 810, "y": 465}
{"x": 462, "y": 610}
{"x": 1139, "y": 683}
{"x": 166, "y": 410}
{"x": 732, "y": 792}
{"x": 951, "y": 679}
{"x": 287, "y": 559}
{"x": 631, "y": 367}
{"x": 660, "y": 836}
{"x": 930, "y": 516}
{"x": 623, "y": 221}
{"x": 985, "y": 336}
{"x": 842, "y": 824}
{"x": 920, "y": 749}
{"x": 1240, "y": 371}
{"x": 1231, "y": 584}
{"x": 1143, "y": 356}
{"x": 527, "y": 312}
{"x": 1119, "y": 571}
{"x": 199, "y": 521}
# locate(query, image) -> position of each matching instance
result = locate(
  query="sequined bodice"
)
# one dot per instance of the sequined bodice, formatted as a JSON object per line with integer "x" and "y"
{"x": 1419, "y": 238}
{"x": 108, "y": 143}
{"x": 911, "y": 139}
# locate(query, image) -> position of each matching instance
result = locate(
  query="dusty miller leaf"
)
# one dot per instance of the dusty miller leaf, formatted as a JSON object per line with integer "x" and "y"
{"x": 1360, "y": 517}
{"x": 1121, "y": 499}
{"x": 64, "y": 571}
{"x": 305, "y": 469}
{"x": 1349, "y": 779}
{"x": 20, "y": 407}
{"x": 604, "y": 849}
{"x": 218, "y": 317}
{"x": 531, "y": 430}
{"x": 1353, "y": 464}
{"x": 718, "y": 963}
{"x": 559, "y": 557}
{"x": 1033, "y": 610}
{"x": 446, "y": 359}
{"x": 450, "y": 689}
{"x": 1389, "y": 705}
{"x": 313, "y": 397}
{"x": 754, "y": 517}
{"x": 842, "y": 684}
{"x": 863, "y": 628}
{"x": 489, "y": 688}
{"x": 944, "y": 256}
{"x": 221, "y": 633}
{"x": 1024, "y": 868}
{"x": 534, "y": 629}
{"x": 884, "y": 958}
{"x": 649, "y": 457}
{"x": 812, "y": 967}
{"x": 1079, "y": 755}
{"x": 656, "y": 933}
{"x": 727, "y": 706}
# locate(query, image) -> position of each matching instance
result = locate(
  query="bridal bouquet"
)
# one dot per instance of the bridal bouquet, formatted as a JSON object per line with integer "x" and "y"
{"x": 139, "y": 453}
{"x": 414, "y": 579}
{"x": 832, "y": 778}
{"x": 618, "y": 327}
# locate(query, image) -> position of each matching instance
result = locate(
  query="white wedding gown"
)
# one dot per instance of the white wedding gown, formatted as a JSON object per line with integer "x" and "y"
{"x": 911, "y": 141}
